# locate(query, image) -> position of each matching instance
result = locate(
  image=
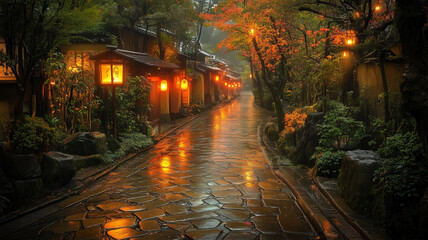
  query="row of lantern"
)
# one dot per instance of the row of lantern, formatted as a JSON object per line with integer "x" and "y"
{"x": 112, "y": 74}
{"x": 183, "y": 85}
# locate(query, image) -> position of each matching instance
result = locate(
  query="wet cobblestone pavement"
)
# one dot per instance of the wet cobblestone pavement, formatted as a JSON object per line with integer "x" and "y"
{"x": 209, "y": 180}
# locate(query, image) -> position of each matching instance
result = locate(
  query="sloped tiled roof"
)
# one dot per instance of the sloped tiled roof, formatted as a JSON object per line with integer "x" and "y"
{"x": 143, "y": 58}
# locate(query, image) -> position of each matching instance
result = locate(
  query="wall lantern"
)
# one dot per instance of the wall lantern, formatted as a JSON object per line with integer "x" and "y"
{"x": 184, "y": 84}
{"x": 111, "y": 74}
{"x": 345, "y": 54}
{"x": 252, "y": 32}
{"x": 251, "y": 75}
{"x": 217, "y": 78}
{"x": 229, "y": 85}
{"x": 377, "y": 8}
{"x": 225, "y": 84}
{"x": 163, "y": 85}
{"x": 350, "y": 38}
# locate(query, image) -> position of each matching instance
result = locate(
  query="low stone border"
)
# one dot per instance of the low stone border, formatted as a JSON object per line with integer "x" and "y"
{"x": 315, "y": 216}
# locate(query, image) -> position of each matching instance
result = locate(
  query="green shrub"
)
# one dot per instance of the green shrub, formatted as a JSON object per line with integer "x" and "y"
{"x": 402, "y": 181}
{"x": 130, "y": 143}
{"x": 404, "y": 169}
{"x": 340, "y": 131}
{"x": 133, "y": 105}
{"x": 34, "y": 135}
{"x": 272, "y": 131}
{"x": 328, "y": 163}
{"x": 112, "y": 144}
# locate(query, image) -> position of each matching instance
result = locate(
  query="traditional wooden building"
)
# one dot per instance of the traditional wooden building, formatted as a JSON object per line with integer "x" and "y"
{"x": 162, "y": 75}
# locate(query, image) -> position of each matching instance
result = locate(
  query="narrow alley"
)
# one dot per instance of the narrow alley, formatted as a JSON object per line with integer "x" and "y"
{"x": 208, "y": 180}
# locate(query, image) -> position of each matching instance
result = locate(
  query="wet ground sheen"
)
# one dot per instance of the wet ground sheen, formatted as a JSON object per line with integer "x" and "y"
{"x": 209, "y": 180}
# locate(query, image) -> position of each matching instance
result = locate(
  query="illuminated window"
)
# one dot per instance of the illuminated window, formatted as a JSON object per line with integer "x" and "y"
{"x": 106, "y": 72}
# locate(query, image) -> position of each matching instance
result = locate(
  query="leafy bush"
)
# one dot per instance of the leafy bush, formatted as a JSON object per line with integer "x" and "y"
{"x": 294, "y": 120}
{"x": 130, "y": 143}
{"x": 196, "y": 108}
{"x": 133, "y": 105}
{"x": 328, "y": 163}
{"x": 72, "y": 88}
{"x": 404, "y": 170}
{"x": 34, "y": 135}
{"x": 402, "y": 181}
{"x": 112, "y": 144}
{"x": 339, "y": 131}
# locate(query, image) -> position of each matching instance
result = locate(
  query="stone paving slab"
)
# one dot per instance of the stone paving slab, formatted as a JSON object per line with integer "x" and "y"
{"x": 203, "y": 182}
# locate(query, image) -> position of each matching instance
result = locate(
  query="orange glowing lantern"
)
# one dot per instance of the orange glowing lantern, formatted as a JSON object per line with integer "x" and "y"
{"x": 217, "y": 78}
{"x": 184, "y": 84}
{"x": 345, "y": 54}
{"x": 225, "y": 84}
{"x": 229, "y": 85}
{"x": 251, "y": 75}
{"x": 111, "y": 74}
{"x": 163, "y": 85}
{"x": 377, "y": 8}
{"x": 350, "y": 38}
{"x": 252, "y": 32}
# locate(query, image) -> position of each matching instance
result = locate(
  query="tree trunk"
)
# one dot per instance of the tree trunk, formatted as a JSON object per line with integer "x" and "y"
{"x": 259, "y": 86}
{"x": 275, "y": 94}
{"x": 160, "y": 43}
{"x": 410, "y": 20}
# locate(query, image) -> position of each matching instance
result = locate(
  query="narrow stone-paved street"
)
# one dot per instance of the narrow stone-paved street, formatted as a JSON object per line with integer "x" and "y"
{"x": 209, "y": 180}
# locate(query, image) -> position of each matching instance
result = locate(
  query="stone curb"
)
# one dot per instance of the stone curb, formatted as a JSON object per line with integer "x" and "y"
{"x": 350, "y": 220}
{"x": 106, "y": 170}
{"x": 316, "y": 217}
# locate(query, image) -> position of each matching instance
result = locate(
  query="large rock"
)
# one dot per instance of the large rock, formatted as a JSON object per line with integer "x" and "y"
{"x": 88, "y": 161}
{"x": 6, "y": 188}
{"x": 27, "y": 188}
{"x": 21, "y": 166}
{"x": 85, "y": 144}
{"x": 271, "y": 129}
{"x": 355, "y": 179}
{"x": 57, "y": 169}
{"x": 307, "y": 140}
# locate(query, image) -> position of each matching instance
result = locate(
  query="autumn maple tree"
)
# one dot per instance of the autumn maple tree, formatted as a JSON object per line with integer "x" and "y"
{"x": 260, "y": 29}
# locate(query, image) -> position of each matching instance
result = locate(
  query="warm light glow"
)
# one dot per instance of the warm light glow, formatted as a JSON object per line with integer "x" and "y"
{"x": 350, "y": 38}
{"x": 106, "y": 73}
{"x": 184, "y": 84}
{"x": 225, "y": 84}
{"x": 252, "y": 32}
{"x": 357, "y": 14}
{"x": 229, "y": 85}
{"x": 377, "y": 8}
{"x": 163, "y": 85}
{"x": 345, "y": 53}
{"x": 217, "y": 78}
{"x": 251, "y": 75}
